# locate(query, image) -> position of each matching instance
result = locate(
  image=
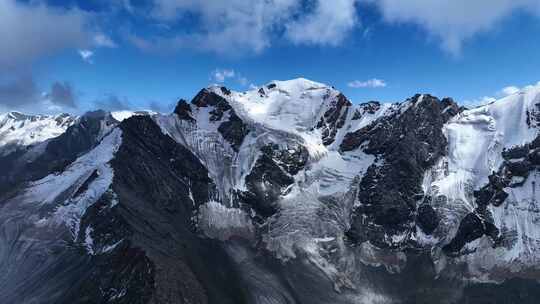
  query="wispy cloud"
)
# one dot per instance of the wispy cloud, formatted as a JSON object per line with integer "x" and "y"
{"x": 371, "y": 83}
{"x": 224, "y": 75}
{"x": 102, "y": 40}
{"x": 86, "y": 55}
{"x": 221, "y": 75}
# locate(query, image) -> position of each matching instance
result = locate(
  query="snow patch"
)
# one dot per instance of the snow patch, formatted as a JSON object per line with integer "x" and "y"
{"x": 123, "y": 115}
{"x": 60, "y": 189}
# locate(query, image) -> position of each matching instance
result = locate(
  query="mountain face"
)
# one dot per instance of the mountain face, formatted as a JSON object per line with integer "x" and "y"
{"x": 287, "y": 193}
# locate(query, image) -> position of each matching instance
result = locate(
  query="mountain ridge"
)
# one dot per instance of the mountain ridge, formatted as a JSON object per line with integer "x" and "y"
{"x": 303, "y": 197}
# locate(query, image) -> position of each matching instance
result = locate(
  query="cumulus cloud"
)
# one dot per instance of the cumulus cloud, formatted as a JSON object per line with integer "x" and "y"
{"x": 29, "y": 31}
{"x": 223, "y": 25}
{"x": 452, "y": 21}
{"x": 329, "y": 23}
{"x": 238, "y": 25}
{"x": 371, "y": 83}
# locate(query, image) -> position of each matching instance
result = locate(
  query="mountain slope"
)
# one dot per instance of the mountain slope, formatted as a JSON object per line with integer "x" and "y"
{"x": 287, "y": 193}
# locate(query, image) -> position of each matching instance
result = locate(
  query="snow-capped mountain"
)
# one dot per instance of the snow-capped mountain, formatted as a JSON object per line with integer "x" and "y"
{"x": 287, "y": 193}
{"x": 18, "y": 130}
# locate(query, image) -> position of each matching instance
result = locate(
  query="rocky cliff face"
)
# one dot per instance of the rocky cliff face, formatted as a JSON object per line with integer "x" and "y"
{"x": 406, "y": 143}
{"x": 287, "y": 193}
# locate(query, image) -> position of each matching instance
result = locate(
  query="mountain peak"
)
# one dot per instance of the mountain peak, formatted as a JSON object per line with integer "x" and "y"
{"x": 296, "y": 84}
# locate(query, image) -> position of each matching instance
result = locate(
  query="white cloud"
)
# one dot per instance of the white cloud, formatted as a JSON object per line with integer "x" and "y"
{"x": 329, "y": 23}
{"x": 225, "y": 25}
{"x": 30, "y": 31}
{"x": 86, "y": 55}
{"x": 102, "y": 40}
{"x": 221, "y": 75}
{"x": 239, "y": 25}
{"x": 453, "y": 21}
{"x": 371, "y": 83}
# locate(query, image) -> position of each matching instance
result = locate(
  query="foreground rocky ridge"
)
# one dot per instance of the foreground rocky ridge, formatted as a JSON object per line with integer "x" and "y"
{"x": 287, "y": 193}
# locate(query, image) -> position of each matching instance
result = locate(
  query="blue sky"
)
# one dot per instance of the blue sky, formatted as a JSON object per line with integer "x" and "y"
{"x": 70, "y": 55}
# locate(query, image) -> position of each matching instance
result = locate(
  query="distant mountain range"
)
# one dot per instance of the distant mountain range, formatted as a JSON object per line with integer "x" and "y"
{"x": 287, "y": 193}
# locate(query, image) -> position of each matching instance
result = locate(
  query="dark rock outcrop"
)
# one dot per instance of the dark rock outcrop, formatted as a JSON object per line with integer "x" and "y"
{"x": 473, "y": 226}
{"x": 533, "y": 116}
{"x": 334, "y": 119}
{"x": 406, "y": 144}
{"x": 271, "y": 175}
{"x": 183, "y": 111}
{"x": 233, "y": 130}
{"x": 519, "y": 162}
{"x": 427, "y": 218}
{"x": 370, "y": 107}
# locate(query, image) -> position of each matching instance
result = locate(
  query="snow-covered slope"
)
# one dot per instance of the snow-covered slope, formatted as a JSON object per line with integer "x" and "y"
{"x": 19, "y": 130}
{"x": 125, "y": 114}
{"x": 478, "y": 140}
